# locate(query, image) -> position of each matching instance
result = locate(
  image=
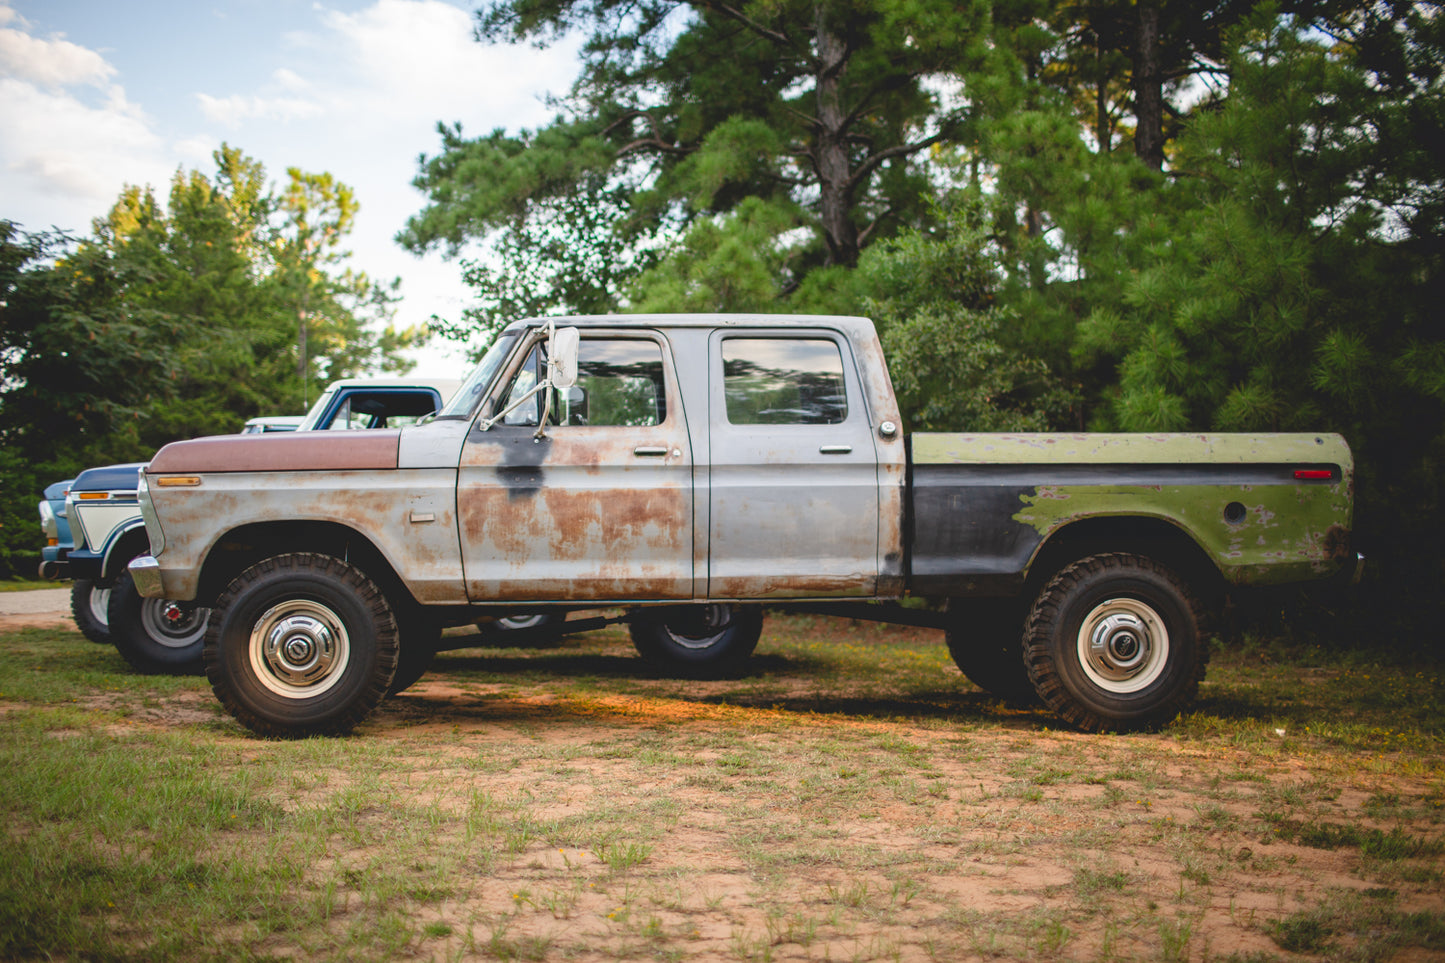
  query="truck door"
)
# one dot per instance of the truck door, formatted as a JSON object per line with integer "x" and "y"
{"x": 601, "y": 507}
{"x": 793, "y": 494}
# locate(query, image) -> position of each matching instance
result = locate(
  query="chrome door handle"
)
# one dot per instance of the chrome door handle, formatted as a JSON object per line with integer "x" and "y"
{"x": 836, "y": 450}
{"x": 650, "y": 451}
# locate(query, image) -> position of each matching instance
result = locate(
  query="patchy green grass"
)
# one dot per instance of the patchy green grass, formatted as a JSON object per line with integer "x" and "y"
{"x": 29, "y": 585}
{"x": 853, "y": 798}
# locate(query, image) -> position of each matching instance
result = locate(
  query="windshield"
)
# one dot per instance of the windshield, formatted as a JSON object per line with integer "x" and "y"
{"x": 469, "y": 395}
{"x": 314, "y": 415}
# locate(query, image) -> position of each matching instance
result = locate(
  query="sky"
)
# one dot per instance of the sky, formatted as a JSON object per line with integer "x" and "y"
{"x": 97, "y": 94}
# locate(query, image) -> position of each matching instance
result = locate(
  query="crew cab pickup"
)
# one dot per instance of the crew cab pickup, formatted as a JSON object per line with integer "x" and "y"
{"x": 693, "y": 469}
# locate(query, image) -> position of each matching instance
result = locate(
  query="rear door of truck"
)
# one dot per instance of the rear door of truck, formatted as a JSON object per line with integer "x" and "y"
{"x": 793, "y": 494}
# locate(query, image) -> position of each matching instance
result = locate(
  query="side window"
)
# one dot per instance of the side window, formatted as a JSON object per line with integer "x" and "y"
{"x": 783, "y": 381}
{"x": 619, "y": 383}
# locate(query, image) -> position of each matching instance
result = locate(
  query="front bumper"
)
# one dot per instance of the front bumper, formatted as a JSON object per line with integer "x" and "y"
{"x": 145, "y": 572}
{"x": 52, "y": 569}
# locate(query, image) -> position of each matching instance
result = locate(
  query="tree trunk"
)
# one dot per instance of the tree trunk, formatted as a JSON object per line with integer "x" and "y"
{"x": 1148, "y": 86}
{"x": 831, "y": 150}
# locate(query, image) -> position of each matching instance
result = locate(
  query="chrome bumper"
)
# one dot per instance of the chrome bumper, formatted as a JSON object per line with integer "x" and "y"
{"x": 145, "y": 571}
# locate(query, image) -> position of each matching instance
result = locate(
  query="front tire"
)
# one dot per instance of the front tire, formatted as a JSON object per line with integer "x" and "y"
{"x": 301, "y": 645}
{"x": 1114, "y": 642}
{"x": 156, "y": 636}
{"x": 699, "y": 641}
{"x": 89, "y": 604}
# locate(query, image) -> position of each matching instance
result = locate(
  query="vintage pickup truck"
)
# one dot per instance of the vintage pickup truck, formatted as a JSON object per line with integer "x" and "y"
{"x": 693, "y": 469}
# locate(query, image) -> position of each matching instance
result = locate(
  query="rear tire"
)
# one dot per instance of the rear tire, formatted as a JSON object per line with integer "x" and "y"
{"x": 420, "y": 637}
{"x": 985, "y": 638}
{"x": 156, "y": 636}
{"x": 1114, "y": 642}
{"x": 89, "y": 604}
{"x": 301, "y": 645}
{"x": 699, "y": 641}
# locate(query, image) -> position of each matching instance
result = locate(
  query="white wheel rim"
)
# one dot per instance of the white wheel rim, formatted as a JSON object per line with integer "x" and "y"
{"x": 1123, "y": 646}
{"x": 100, "y": 605}
{"x": 514, "y": 622}
{"x": 299, "y": 649}
{"x": 718, "y": 617}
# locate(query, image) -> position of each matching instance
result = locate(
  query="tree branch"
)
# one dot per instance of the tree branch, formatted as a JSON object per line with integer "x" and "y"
{"x": 737, "y": 16}
{"x": 902, "y": 150}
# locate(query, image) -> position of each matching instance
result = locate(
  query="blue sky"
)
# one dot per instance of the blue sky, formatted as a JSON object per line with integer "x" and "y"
{"x": 96, "y": 94}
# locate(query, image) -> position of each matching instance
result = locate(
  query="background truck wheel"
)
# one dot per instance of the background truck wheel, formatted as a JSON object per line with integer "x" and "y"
{"x": 1114, "y": 643}
{"x": 301, "y": 645}
{"x": 88, "y": 603}
{"x": 985, "y": 638}
{"x": 156, "y": 636}
{"x": 513, "y": 622}
{"x": 699, "y": 641}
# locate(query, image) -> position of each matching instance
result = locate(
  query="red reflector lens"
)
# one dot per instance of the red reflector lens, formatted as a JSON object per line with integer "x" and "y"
{"x": 1313, "y": 474}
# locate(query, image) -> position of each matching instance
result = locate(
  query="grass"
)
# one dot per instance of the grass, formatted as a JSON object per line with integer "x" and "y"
{"x": 851, "y": 799}
{"x": 15, "y": 584}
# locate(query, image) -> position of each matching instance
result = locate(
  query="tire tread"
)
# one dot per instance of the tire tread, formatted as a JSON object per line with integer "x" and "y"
{"x": 377, "y": 608}
{"x": 1047, "y": 613}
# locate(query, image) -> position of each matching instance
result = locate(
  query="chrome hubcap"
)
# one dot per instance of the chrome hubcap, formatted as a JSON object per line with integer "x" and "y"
{"x": 167, "y": 624}
{"x": 1123, "y": 645}
{"x": 299, "y": 649}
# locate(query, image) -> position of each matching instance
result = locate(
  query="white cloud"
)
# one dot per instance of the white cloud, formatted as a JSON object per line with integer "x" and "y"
{"x": 417, "y": 58}
{"x": 59, "y": 147}
{"x": 234, "y": 111}
{"x": 72, "y": 138}
{"x": 53, "y": 64}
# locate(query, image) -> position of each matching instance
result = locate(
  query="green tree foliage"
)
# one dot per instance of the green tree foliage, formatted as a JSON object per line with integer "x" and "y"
{"x": 934, "y": 298}
{"x": 175, "y": 320}
{"x": 1298, "y": 281}
{"x": 684, "y": 110}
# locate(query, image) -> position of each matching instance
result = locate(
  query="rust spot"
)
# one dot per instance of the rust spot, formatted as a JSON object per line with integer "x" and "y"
{"x": 580, "y": 515}
{"x": 1336, "y": 542}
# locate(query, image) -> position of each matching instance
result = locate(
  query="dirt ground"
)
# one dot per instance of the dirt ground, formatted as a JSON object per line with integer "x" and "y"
{"x": 834, "y": 835}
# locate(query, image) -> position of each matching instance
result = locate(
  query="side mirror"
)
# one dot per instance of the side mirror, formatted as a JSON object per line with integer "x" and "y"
{"x": 562, "y": 358}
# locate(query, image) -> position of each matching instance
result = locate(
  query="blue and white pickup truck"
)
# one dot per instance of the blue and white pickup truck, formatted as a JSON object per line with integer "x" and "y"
{"x": 93, "y": 528}
{"x": 693, "y": 469}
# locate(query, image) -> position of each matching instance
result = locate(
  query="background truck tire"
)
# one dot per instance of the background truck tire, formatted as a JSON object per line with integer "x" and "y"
{"x": 156, "y": 636}
{"x": 1114, "y": 642}
{"x": 698, "y": 641}
{"x": 301, "y": 645}
{"x": 985, "y": 638}
{"x": 89, "y": 604}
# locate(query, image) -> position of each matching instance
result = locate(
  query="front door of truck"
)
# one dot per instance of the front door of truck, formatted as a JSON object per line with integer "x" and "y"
{"x": 601, "y": 507}
{"x": 793, "y": 493}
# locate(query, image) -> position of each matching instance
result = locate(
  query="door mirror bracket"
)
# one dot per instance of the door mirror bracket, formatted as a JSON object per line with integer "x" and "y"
{"x": 563, "y": 347}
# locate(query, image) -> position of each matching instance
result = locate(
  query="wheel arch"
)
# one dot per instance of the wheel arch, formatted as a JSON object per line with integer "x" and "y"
{"x": 125, "y": 544}
{"x": 246, "y": 545}
{"x": 1161, "y": 539}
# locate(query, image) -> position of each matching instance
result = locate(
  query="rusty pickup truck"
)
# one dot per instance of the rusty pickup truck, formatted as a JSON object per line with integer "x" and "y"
{"x": 692, "y": 470}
